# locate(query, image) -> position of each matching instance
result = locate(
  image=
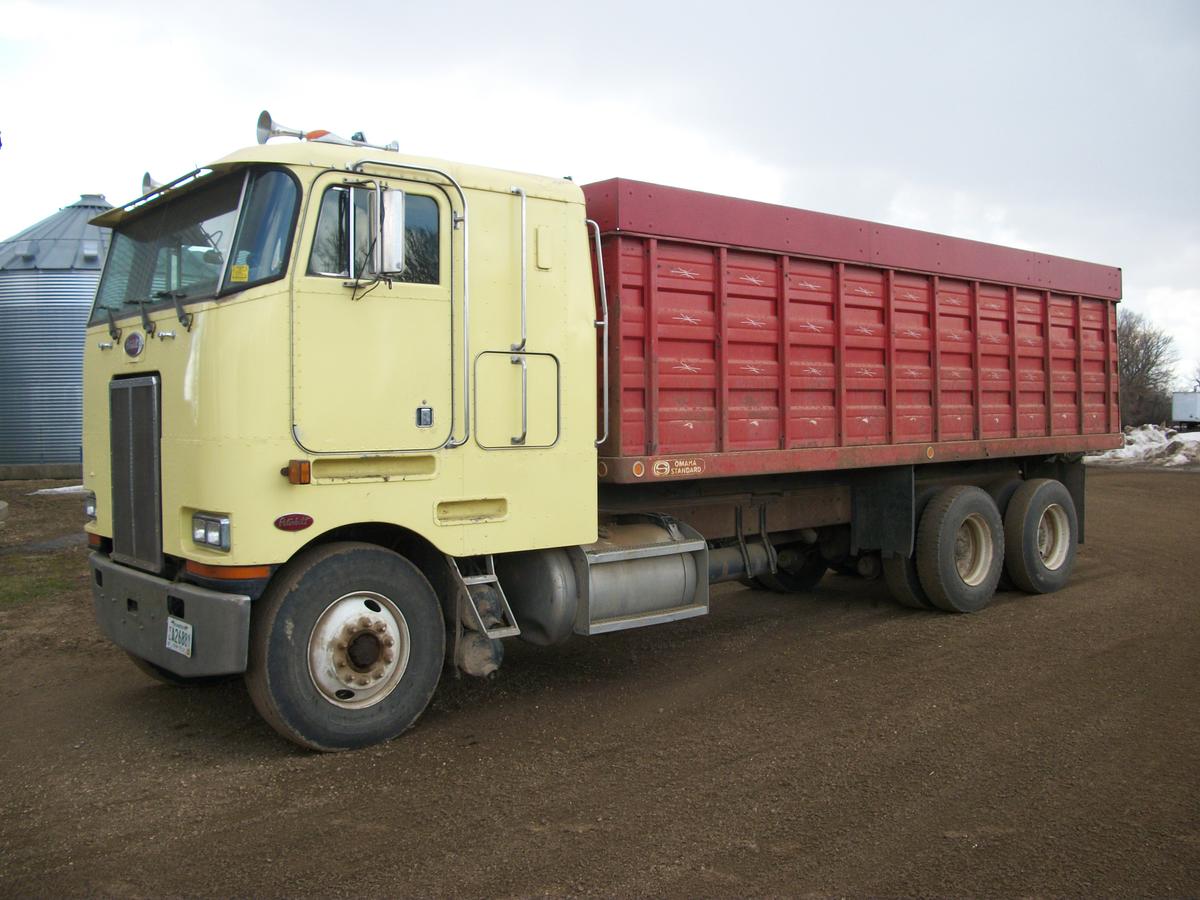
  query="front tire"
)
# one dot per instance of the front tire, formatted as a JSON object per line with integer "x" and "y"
{"x": 346, "y": 647}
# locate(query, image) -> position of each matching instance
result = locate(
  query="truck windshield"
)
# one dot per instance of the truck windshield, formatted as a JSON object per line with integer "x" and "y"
{"x": 224, "y": 237}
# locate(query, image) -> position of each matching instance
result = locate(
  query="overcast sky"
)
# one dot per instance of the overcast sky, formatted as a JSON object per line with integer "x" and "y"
{"x": 1065, "y": 127}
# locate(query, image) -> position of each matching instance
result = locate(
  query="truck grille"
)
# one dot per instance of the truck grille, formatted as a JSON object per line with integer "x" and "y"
{"x": 136, "y": 472}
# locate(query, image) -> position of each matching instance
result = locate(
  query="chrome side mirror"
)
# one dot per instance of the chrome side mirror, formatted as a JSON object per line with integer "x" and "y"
{"x": 390, "y": 230}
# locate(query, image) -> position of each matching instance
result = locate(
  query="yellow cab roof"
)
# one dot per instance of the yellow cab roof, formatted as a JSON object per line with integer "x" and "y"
{"x": 321, "y": 155}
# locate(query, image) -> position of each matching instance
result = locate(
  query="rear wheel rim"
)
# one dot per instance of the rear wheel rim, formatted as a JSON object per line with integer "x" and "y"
{"x": 1053, "y": 537}
{"x": 358, "y": 650}
{"x": 973, "y": 550}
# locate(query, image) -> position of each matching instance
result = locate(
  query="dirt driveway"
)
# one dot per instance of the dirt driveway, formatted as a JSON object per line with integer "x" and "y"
{"x": 832, "y": 745}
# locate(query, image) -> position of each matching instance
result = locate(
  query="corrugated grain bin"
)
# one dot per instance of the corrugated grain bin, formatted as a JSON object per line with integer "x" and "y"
{"x": 752, "y": 338}
{"x": 48, "y": 276}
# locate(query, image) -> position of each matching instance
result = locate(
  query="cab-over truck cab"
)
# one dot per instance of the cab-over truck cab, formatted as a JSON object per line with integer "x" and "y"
{"x": 325, "y": 363}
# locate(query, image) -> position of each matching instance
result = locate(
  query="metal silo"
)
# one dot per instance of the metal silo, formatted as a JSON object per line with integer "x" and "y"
{"x": 48, "y": 276}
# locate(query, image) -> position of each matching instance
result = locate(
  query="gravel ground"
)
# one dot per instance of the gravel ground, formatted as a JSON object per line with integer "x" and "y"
{"x": 831, "y": 745}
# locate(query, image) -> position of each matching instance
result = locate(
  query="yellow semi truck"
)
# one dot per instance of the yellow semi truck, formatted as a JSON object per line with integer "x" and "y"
{"x": 343, "y": 405}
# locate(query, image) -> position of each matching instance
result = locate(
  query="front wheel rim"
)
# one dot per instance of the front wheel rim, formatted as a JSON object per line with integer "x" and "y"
{"x": 1053, "y": 536}
{"x": 358, "y": 650}
{"x": 973, "y": 550}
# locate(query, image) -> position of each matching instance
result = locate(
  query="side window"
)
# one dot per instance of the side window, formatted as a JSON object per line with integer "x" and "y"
{"x": 422, "y": 243}
{"x": 329, "y": 244}
{"x": 329, "y": 251}
{"x": 422, "y": 248}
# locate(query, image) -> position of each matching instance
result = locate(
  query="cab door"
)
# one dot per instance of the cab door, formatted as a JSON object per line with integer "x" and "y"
{"x": 372, "y": 362}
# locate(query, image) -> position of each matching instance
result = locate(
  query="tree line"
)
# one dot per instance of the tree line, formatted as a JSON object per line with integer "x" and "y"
{"x": 1146, "y": 356}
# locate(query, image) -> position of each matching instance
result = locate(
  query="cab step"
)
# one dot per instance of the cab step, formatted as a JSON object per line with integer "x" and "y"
{"x": 488, "y": 610}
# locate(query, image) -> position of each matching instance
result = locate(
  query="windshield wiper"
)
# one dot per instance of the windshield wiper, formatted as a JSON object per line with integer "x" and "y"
{"x": 185, "y": 319}
{"x": 146, "y": 323}
{"x": 113, "y": 331}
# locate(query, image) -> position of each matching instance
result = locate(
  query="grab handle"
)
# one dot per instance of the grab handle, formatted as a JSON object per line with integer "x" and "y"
{"x": 602, "y": 323}
{"x": 520, "y": 361}
{"x": 524, "y": 267}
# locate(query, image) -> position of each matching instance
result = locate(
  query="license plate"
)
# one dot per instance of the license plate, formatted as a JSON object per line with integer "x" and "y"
{"x": 179, "y": 636}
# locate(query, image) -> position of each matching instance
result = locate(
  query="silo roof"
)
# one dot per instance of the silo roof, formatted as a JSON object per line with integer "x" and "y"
{"x": 64, "y": 240}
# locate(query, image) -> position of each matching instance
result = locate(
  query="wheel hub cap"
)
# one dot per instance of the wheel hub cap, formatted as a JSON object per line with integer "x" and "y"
{"x": 358, "y": 650}
{"x": 973, "y": 550}
{"x": 1053, "y": 536}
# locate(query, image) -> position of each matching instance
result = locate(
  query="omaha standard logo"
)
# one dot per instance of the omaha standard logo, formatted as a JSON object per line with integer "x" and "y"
{"x": 673, "y": 468}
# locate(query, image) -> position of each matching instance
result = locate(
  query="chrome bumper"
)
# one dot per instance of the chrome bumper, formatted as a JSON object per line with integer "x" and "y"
{"x": 132, "y": 609}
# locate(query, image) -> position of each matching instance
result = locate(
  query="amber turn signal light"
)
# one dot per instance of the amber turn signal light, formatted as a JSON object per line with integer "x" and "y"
{"x": 298, "y": 471}
{"x": 227, "y": 573}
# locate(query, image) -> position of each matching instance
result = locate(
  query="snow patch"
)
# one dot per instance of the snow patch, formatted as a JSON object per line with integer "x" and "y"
{"x": 1155, "y": 446}
{"x": 73, "y": 489}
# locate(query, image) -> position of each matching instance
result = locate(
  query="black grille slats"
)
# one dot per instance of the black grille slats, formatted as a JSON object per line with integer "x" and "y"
{"x": 136, "y": 472}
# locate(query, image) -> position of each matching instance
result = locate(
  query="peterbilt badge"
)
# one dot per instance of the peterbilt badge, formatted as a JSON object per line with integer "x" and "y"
{"x": 135, "y": 343}
{"x": 293, "y": 522}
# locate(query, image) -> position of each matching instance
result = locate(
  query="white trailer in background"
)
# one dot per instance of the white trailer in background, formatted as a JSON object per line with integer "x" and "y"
{"x": 1185, "y": 410}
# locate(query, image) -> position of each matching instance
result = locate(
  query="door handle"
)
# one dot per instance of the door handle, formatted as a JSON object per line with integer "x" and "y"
{"x": 520, "y": 361}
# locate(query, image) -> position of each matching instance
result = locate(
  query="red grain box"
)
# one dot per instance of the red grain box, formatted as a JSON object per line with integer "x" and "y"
{"x": 749, "y": 338}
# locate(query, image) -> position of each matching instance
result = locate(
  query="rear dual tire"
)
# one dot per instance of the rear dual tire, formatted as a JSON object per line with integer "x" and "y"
{"x": 960, "y": 549}
{"x": 900, "y": 572}
{"x": 970, "y": 541}
{"x": 1002, "y": 492}
{"x": 1041, "y": 531}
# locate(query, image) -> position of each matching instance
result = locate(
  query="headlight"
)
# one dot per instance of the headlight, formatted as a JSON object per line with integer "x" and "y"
{"x": 89, "y": 507}
{"x": 209, "y": 530}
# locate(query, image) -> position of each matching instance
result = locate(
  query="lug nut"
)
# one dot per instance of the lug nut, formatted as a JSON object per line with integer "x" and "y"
{"x": 388, "y": 656}
{"x": 390, "y": 642}
{"x": 380, "y": 627}
{"x": 364, "y": 622}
